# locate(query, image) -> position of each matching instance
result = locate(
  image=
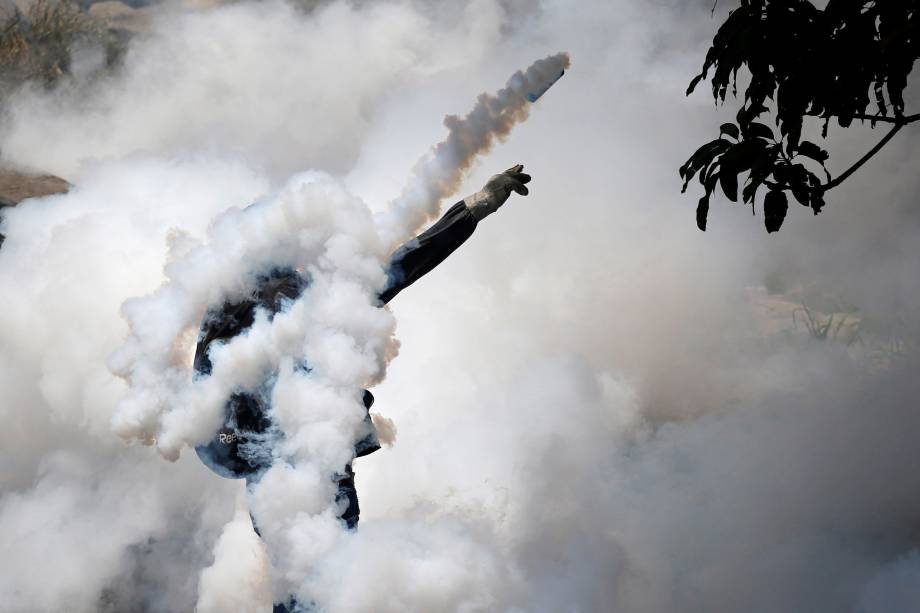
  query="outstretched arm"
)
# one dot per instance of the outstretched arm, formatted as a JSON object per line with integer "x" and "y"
{"x": 420, "y": 255}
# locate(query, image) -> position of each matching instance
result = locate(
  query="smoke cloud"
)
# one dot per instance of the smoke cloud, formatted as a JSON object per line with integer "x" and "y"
{"x": 599, "y": 408}
{"x": 315, "y": 226}
{"x": 440, "y": 173}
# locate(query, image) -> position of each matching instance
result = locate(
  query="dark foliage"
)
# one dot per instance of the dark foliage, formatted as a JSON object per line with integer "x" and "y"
{"x": 847, "y": 62}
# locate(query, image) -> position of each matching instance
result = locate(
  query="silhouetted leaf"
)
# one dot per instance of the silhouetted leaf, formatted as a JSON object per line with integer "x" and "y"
{"x": 817, "y": 201}
{"x": 701, "y": 159}
{"x": 730, "y": 129}
{"x": 761, "y": 169}
{"x": 702, "y": 211}
{"x": 694, "y": 82}
{"x": 801, "y": 194}
{"x": 749, "y": 113}
{"x": 775, "y": 206}
{"x": 755, "y": 129}
{"x": 729, "y": 182}
{"x": 812, "y": 151}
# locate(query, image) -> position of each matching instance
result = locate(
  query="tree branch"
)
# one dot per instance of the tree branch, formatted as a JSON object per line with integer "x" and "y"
{"x": 849, "y": 171}
{"x": 906, "y": 119}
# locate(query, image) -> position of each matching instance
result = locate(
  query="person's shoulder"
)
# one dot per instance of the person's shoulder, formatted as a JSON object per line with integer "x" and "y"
{"x": 284, "y": 282}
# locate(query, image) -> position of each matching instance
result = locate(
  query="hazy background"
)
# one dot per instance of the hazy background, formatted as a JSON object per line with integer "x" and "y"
{"x": 594, "y": 412}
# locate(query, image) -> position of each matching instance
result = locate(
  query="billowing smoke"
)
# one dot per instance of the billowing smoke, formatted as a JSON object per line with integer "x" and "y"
{"x": 240, "y": 561}
{"x": 313, "y": 225}
{"x": 335, "y": 328}
{"x": 599, "y": 408}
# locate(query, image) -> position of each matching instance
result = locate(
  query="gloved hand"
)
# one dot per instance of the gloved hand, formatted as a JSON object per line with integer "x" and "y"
{"x": 497, "y": 189}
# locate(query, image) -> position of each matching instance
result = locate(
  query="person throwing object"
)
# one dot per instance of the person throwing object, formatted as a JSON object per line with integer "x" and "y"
{"x": 242, "y": 447}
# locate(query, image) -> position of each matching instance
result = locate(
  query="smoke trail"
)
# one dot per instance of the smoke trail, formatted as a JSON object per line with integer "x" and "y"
{"x": 439, "y": 174}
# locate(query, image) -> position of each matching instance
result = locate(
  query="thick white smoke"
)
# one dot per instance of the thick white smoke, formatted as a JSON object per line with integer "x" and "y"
{"x": 313, "y": 225}
{"x": 236, "y": 581}
{"x": 591, "y": 417}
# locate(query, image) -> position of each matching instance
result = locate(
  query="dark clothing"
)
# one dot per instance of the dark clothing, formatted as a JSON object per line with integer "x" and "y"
{"x": 420, "y": 255}
{"x": 348, "y": 494}
{"x": 274, "y": 291}
{"x": 243, "y": 446}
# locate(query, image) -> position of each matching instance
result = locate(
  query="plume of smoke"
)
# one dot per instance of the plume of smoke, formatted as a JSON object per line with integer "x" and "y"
{"x": 316, "y": 226}
{"x": 240, "y": 561}
{"x": 386, "y": 429}
{"x": 312, "y": 226}
{"x": 113, "y": 529}
{"x": 440, "y": 173}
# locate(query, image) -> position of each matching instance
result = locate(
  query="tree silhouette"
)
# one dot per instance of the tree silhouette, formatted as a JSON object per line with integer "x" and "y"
{"x": 848, "y": 62}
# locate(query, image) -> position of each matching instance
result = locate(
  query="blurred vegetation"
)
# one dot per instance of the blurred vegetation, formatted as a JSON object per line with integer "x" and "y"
{"x": 848, "y": 60}
{"x": 824, "y": 328}
{"x": 37, "y": 45}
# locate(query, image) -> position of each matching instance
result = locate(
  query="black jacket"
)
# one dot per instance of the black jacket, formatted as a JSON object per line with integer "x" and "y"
{"x": 243, "y": 445}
